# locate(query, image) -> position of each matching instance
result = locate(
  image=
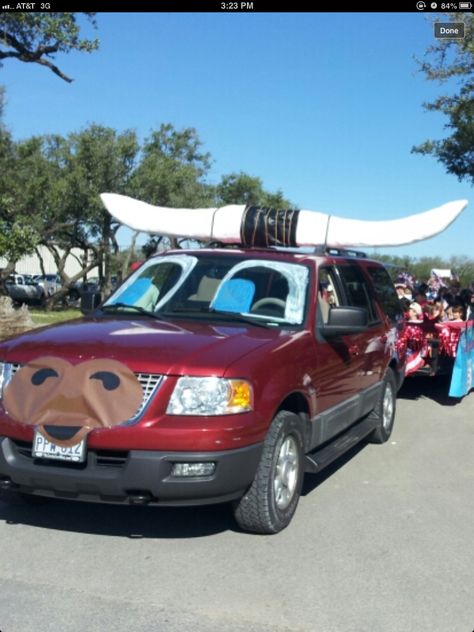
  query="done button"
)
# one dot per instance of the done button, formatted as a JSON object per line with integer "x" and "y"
{"x": 449, "y": 30}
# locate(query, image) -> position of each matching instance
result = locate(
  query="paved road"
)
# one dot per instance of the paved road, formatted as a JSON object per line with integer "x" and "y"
{"x": 382, "y": 543}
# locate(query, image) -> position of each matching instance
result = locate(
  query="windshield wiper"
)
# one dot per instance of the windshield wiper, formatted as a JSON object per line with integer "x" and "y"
{"x": 142, "y": 310}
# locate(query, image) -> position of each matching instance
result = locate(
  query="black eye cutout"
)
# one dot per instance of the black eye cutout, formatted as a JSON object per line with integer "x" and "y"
{"x": 41, "y": 375}
{"x": 110, "y": 381}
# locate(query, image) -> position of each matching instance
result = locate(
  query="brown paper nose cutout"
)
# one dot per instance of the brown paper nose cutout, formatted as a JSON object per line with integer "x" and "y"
{"x": 67, "y": 401}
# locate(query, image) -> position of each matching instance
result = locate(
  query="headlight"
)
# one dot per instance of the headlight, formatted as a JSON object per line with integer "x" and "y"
{"x": 210, "y": 396}
{"x": 5, "y": 375}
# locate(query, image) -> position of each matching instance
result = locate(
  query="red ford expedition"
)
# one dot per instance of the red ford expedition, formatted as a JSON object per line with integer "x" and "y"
{"x": 208, "y": 376}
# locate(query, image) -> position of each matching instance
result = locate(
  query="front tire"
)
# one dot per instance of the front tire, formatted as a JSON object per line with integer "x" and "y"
{"x": 384, "y": 412}
{"x": 270, "y": 503}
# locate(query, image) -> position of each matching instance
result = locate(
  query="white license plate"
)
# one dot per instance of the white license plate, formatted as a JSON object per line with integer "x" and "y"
{"x": 44, "y": 449}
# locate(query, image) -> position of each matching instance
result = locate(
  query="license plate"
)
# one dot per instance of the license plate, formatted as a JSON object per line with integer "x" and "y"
{"x": 44, "y": 449}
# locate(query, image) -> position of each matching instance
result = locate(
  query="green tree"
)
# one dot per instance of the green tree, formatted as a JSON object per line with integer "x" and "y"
{"x": 464, "y": 267}
{"x": 2, "y": 105}
{"x": 51, "y": 197}
{"x": 17, "y": 235}
{"x": 50, "y": 192}
{"x": 38, "y": 37}
{"x": 172, "y": 172}
{"x": 17, "y": 239}
{"x": 173, "y": 169}
{"x": 90, "y": 162}
{"x": 453, "y": 59}
{"x": 421, "y": 268}
{"x": 241, "y": 188}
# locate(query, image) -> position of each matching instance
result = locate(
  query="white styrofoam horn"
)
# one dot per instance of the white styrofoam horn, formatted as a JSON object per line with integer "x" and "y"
{"x": 237, "y": 223}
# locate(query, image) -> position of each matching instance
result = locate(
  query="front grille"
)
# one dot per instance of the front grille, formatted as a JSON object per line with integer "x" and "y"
{"x": 148, "y": 381}
{"x": 101, "y": 458}
{"x": 23, "y": 447}
{"x": 114, "y": 458}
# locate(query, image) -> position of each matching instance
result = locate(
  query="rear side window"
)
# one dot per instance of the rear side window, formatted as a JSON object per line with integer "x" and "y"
{"x": 357, "y": 290}
{"x": 385, "y": 292}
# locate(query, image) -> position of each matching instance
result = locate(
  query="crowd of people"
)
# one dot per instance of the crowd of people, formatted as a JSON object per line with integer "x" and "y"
{"x": 435, "y": 299}
{"x": 436, "y": 313}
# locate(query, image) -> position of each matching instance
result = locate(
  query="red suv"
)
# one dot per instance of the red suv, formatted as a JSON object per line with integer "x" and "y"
{"x": 208, "y": 376}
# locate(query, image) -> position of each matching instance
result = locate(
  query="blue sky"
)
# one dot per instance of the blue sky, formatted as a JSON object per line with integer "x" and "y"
{"x": 325, "y": 107}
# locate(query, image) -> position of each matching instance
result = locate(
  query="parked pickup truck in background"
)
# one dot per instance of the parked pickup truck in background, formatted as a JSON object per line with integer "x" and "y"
{"x": 24, "y": 290}
{"x": 51, "y": 283}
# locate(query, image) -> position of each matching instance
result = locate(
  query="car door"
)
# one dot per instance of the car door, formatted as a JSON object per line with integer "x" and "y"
{"x": 336, "y": 361}
{"x": 368, "y": 347}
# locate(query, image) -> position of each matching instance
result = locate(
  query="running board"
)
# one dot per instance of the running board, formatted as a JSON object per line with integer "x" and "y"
{"x": 321, "y": 457}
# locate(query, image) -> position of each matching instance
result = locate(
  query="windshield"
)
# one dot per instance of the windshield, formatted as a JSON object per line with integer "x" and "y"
{"x": 209, "y": 286}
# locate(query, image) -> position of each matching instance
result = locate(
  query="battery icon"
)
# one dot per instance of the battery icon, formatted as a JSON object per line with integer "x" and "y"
{"x": 465, "y": 6}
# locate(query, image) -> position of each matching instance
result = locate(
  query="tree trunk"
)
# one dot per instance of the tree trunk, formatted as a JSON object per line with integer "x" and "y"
{"x": 130, "y": 256}
{"x": 4, "y": 274}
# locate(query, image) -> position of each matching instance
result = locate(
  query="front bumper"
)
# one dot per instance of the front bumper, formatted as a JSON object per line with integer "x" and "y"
{"x": 135, "y": 476}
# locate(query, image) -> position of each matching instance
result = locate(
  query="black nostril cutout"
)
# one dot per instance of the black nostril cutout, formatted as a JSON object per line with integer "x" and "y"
{"x": 62, "y": 433}
{"x": 110, "y": 381}
{"x": 41, "y": 375}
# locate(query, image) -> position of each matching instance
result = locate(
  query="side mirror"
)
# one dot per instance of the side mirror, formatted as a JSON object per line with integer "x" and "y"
{"x": 90, "y": 300}
{"x": 343, "y": 321}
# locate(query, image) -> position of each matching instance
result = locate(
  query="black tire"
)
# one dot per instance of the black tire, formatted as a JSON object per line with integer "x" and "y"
{"x": 42, "y": 299}
{"x": 384, "y": 412}
{"x": 270, "y": 503}
{"x": 71, "y": 299}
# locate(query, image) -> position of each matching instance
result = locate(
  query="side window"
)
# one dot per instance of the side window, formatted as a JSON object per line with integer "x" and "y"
{"x": 385, "y": 292}
{"x": 357, "y": 290}
{"x": 327, "y": 292}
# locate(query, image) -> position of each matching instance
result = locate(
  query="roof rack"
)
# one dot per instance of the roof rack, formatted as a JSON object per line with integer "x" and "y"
{"x": 220, "y": 244}
{"x": 339, "y": 252}
{"x": 316, "y": 250}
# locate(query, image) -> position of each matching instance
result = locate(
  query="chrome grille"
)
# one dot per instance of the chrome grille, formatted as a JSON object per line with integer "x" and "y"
{"x": 148, "y": 381}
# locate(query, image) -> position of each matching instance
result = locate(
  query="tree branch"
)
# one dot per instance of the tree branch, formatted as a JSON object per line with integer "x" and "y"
{"x": 55, "y": 69}
{"x": 29, "y": 56}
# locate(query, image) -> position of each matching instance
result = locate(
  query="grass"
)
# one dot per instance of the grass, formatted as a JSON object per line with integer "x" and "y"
{"x": 16, "y": 321}
{"x": 41, "y": 317}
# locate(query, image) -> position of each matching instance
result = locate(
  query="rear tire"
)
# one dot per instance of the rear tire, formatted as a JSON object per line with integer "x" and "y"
{"x": 384, "y": 412}
{"x": 270, "y": 503}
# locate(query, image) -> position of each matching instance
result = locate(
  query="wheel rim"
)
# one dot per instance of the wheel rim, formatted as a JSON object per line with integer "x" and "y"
{"x": 286, "y": 473}
{"x": 387, "y": 407}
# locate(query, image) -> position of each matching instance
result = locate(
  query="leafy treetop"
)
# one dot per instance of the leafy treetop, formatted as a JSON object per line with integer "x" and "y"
{"x": 452, "y": 60}
{"x": 37, "y": 37}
